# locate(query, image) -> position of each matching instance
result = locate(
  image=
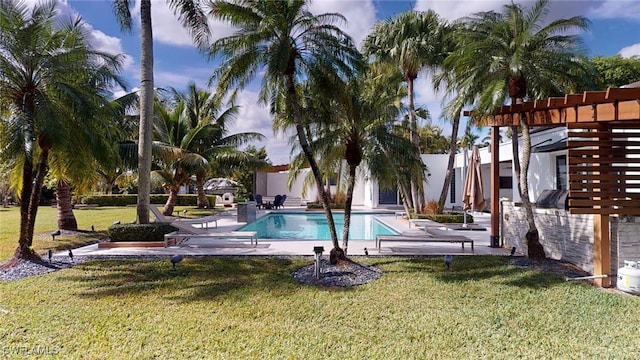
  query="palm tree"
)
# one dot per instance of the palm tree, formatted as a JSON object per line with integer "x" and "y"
{"x": 412, "y": 40}
{"x": 287, "y": 42}
{"x": 360, "y": 120}
{"x": 194, "y": 137}
{"x": 514, "y": 55}
{"x": 48, "y": 77}
{"x": 193, "y": 18}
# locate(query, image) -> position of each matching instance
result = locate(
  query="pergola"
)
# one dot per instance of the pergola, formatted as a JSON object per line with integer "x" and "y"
{"x": 603, "y": 141}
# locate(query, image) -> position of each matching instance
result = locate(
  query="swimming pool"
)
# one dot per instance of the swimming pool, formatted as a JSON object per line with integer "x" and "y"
{"x": 313, "y": 226}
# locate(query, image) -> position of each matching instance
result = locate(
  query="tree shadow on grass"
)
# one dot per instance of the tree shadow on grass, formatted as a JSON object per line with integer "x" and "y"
{"x": 472, "y": 268}
{"x": 194, "y": 279}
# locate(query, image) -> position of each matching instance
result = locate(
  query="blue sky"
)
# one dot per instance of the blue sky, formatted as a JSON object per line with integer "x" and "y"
{"x": 615, "y": 29}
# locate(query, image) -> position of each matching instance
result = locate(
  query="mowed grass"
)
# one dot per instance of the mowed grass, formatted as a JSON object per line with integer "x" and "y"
{"x": 232, "y": 308}
{"x": 46, "y": 222}
{"x": 252, "y": 308}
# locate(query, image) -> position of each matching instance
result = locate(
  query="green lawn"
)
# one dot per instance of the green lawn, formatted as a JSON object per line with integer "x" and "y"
{"x": 243, "y": 308}
{"x": 235, "y": 308}
{"x": 46, "y": 222}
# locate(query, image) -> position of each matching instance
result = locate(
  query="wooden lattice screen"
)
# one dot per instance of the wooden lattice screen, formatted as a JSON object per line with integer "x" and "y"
{"x": 604, "y": 168}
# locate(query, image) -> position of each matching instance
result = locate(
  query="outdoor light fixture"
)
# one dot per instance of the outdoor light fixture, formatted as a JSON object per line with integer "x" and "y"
{"x": 176, "y": 259}
{"x": 448, "y": 259}
{"x": 54, "y": 234}
{"x": 50, "y": 254}
{"x": 318, "y": 252}
{"x": 71, "y": 255}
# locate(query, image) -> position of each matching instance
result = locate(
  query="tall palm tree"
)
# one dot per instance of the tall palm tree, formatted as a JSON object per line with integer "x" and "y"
{"x": 517, "y": 55}
{"x": 287, "y": 42}
{"x": 413, "y": 41}
{"x": 194, "y": 138}
{"x": 192, "y": 17}
{"x": 47, "y": 88}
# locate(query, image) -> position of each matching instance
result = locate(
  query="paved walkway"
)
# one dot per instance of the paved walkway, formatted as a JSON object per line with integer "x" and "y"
{"x": 295, "y": 248}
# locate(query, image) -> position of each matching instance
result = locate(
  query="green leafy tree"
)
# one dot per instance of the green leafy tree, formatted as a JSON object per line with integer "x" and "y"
{"x": 283, "y": 42}
{"x": 432, "y": 141}
{"x": 516, "y": 55}
{"x": 616, "y": 71}
{"x": 48, "y": 78}
{"x": 244, "y": 175}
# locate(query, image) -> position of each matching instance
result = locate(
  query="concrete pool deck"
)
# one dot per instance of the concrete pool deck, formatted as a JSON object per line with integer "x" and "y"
{"x": 204, "y": 247}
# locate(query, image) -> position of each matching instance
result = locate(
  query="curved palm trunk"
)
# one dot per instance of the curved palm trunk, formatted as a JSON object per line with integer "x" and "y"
{"x": 203, "y": 201}
{"x": 351, "y": 183}
{"x": 452, "y": 157}
{"x": 292, "y": 98}
{"x": 146, "y": 113}
{"x": 66, "y": 218}
{"x": 172, "y": 200}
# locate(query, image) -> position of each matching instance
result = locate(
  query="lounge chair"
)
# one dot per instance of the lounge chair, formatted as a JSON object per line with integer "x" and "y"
{"x": 259, "y": 203}
{"x": 203, "y": 221}
{"x": 187, "y": 231}
{"x": 278, "y": 201}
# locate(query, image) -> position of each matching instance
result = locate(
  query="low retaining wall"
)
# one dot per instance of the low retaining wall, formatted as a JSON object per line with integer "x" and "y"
{"x": 568, "y": 237}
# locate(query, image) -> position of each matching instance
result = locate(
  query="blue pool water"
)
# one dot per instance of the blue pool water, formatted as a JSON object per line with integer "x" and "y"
{"x": 313, "y": 226}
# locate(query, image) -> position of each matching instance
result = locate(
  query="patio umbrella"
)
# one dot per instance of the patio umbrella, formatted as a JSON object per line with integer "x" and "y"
{"x": 473, "y": 194}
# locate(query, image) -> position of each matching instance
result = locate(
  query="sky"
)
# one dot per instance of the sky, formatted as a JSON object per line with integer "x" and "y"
{"x": 615, "y": 29}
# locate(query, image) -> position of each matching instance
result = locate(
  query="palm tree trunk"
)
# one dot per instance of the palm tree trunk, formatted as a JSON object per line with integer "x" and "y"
{"x": 202, "y": 201}
{"x": 413, "y": 125}
{"x": 292, "y": 98}
{"x": 351, "y": 183}
{"x": 146, "y": 113}
{"x": 172, "y": 200}
{"x": 535, "y": 249}
{"x": 25, "y": 193}
{"x": 24, "y": 250}
{"x": 66, "y": 218}
{"x": 452, "y": 157}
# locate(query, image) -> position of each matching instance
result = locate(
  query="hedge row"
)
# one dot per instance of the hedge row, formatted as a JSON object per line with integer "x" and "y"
{"x": 124, "y": 200}
{"x": 140, "y": 232}
{"x": 449, "y": 218}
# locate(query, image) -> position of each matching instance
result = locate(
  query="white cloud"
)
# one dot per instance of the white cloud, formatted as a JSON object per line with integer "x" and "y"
{"x": 630, "y": 51}
{"x": 119, "y": 92}
{"x": 452, "y": 10}
{"x": 616, "y": 9}
{"x": 360, "y": 15}
{"x": 456, "y": 9}
{"x": 167, "y": 29}
{"x": 254, "y": 117}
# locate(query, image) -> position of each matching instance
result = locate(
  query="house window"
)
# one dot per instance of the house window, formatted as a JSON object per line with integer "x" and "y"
{"x": 506, "y": 182}
{"x": 452, "y": 190}
{"x": 561, "y": 172}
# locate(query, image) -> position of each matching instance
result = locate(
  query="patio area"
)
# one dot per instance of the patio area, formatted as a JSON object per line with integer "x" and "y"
{"x": 228, "y": 222}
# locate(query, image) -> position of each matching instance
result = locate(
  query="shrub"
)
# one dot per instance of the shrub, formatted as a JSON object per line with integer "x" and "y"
{"x": 431, "y": 207}
{"x": 448, "y": 218}
{"x": 125, "y": 200}
{"x": 140, "y": 232}
{"x": 317, "y": 205}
